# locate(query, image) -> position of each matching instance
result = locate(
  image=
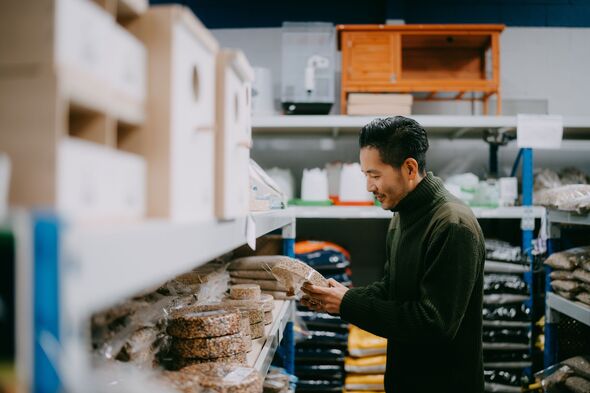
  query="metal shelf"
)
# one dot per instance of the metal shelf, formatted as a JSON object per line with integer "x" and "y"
{"x": 359, "y": 212}
{"x": 515, "y": 212}
{"x": 135, "y": 257}
{"x": 576, "y": 310}
{"x": 263, "y": 349}
{"x": 575, "y": 127}
{"x": 344, "y": 212}
{"x": 564, "y": 217}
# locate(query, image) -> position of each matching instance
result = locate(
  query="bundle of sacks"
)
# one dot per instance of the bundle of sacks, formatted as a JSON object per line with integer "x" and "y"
{"x": 570, "y": 277}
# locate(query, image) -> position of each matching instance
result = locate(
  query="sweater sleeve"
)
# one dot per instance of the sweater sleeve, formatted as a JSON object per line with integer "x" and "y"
{"x": 454, "y": 254}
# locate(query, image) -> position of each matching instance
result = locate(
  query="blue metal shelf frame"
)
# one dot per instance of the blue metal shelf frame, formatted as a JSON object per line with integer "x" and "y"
{"x": 287, "y": 345}
{"x": 46, "y": 303}
{"x": 46, "y": 316}
{"x": 555, "y": 243}
{"x": 526, "y": 156}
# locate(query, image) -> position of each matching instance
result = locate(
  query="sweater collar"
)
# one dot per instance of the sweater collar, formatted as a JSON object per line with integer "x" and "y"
{"x": 429, "y": 190}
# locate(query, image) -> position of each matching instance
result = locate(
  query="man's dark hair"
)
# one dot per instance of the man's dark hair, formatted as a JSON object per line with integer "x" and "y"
{"x": 396, "y": 138}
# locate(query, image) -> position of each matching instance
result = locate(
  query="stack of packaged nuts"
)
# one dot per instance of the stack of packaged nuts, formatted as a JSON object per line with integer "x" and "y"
{"x": 205, "y": 336}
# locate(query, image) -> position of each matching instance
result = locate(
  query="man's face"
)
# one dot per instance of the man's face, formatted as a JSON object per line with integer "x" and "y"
{"x": 388, "y": 184}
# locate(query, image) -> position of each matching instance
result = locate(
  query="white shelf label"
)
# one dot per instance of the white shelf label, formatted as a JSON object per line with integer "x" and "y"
{"x": 251, "y": 232}
{"x": 527, "y": 223}
{"x": 539, "y": 131}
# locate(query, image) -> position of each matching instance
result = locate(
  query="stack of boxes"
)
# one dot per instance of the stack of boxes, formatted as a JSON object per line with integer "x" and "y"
{"x": 124, "y": 112}
{"x": 376, "y": 104}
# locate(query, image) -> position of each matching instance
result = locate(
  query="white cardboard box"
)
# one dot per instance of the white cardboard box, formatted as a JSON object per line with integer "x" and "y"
{"x": 99, "y": 183}
{"x": 178, "y": 139}
{"x": 234, "y": 137}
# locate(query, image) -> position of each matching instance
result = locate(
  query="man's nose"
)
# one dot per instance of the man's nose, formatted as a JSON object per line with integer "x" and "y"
{"x": 371, "y": 186}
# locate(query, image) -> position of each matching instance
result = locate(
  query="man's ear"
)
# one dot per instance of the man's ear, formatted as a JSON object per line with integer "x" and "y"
{"x": 411, "y": 168}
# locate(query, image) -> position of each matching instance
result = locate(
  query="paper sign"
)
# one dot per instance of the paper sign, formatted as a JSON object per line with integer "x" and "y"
{"x": 539, "y": 131}
{"x": 251, "y": 232}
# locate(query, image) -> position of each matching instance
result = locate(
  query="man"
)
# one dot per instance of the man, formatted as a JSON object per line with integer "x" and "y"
{"x": 429, "y": 302}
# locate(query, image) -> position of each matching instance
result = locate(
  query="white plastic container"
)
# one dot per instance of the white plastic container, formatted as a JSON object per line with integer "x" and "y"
{"x": 353, "y": 184}
{"x": 234, "y": 134}
{"x": 262, "y": 93}
{"x": 334, "y": 169}
{"x": 285, "y": 180}
{"x": 314, "y": 185}
{"x": 508, "y": 187}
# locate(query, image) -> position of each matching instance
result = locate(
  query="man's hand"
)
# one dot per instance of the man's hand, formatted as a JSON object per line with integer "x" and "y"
{"x": 324, "y": 299}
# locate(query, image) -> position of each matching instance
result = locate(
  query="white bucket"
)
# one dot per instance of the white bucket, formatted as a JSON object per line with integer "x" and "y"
{"x": 353, "y": 184}
{"x": 314, "y": 185}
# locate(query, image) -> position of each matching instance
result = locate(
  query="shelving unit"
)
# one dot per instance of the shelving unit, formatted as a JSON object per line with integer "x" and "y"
{"x": 67, "y": 268}
{"x": 438, "y": 126}
{"x": 263, "y": 349}
{"x": 555, "y": 304}
{"x": 576, "y": 310}
{"x": 136, "y": 253}
{"x": 346, "y": 212}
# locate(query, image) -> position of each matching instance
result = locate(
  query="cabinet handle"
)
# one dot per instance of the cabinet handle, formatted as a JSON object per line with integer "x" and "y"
{"x": 393, "y": 78}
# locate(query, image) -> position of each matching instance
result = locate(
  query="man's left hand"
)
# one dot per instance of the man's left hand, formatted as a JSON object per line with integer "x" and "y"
{"x": 325, "y": 299}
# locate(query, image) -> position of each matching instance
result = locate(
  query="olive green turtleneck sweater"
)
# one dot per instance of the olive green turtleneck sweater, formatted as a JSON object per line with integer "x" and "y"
{"x": 429, "y": 302}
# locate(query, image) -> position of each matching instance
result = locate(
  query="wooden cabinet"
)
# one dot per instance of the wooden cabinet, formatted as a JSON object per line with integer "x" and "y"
{"x": 427, "y": 59}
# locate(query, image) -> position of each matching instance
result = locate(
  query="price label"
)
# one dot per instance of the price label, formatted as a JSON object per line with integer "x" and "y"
{"x": 527, "y": 223}
{"x": 251, "y": 232}
{"x": 539, "y": 131}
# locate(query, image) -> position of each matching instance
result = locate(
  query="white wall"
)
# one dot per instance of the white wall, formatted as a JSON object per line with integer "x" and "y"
{"x": 542, "y": 69}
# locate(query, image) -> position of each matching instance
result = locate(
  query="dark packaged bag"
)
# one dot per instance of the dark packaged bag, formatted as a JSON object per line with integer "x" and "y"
{"x": 505, "y": 284}
{"x": 517, "y": 312}
{"x": 506, "y": 335}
